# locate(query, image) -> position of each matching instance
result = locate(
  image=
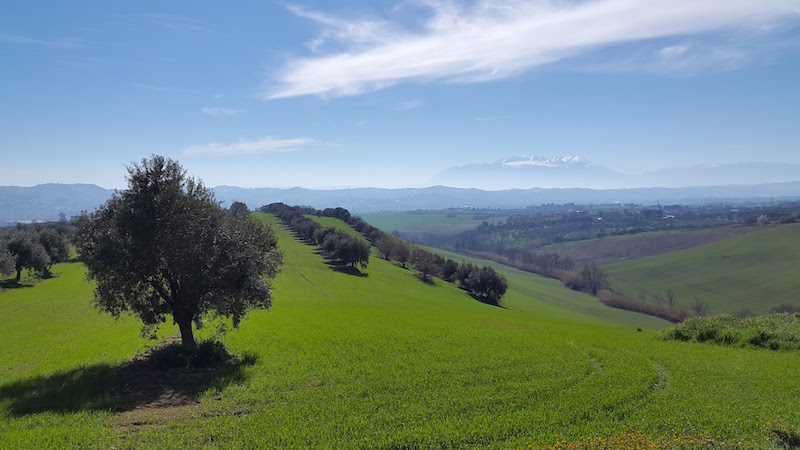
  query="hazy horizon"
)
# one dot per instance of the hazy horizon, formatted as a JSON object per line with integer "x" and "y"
{"x": 388, "y": 94}
{"x": 433, "y": 183}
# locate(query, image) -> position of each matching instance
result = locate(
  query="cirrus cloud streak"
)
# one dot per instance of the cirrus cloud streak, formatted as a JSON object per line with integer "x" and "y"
{"x": 244, "y": 147}
{"x": 492, "y": 39}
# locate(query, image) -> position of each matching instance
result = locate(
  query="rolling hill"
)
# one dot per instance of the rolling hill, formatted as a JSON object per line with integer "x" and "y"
{"x": 386, "y": 361}
{"x": 756, "y": 271}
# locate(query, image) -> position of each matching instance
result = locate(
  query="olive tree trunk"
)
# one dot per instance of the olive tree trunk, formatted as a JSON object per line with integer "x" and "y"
{"x": 185, "y": 325}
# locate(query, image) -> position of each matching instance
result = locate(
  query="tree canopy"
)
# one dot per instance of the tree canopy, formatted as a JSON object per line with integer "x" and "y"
{"x": 165, "y": 247}
{"x": 33, "y": 247}
{"x": 7, "y": 260}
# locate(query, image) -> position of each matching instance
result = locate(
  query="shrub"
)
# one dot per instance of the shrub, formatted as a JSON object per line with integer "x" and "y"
{"x": 208, "y": 353}
{"x": 620, "y": 301}
{"x": 570, "y": 279}
{"x": 594, "y": 278}
{"x": 786, "y": 308}
{"x": 774, "y": 331}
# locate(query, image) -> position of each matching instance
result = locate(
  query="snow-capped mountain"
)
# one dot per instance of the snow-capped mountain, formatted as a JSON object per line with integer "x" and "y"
{"x": 524, "y": 172}
{"x": 543, "y": 161}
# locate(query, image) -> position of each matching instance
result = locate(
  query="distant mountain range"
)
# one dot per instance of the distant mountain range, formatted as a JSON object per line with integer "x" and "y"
{"x": 523, "y": 172}
{"x": 46, "y": 201}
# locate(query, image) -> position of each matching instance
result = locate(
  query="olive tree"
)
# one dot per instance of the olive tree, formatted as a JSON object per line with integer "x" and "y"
{"x": 8, "y": 261}
{"x": 55, "y": 245}
{"x": 28, "y": 252}
{"x": 165, "y": 247}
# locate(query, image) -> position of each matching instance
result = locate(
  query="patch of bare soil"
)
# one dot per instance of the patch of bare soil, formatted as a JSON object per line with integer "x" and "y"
{"x": 145, "y": 383}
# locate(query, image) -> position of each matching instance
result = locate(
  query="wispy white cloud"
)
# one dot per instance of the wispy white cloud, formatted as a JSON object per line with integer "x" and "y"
{"x": 494, "y": 39}
{"x": 688, "y": 59}
{"x": 672, "y": 51}
{"x": 26, "y": 40}
{"x": 243, "y": 147}
{"x": 217, "y": 111}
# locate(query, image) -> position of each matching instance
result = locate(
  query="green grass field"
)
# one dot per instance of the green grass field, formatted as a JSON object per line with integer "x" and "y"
{"x": 386, "y": 361}
{"x": 756, "y": 271}
{"x": 615, "y": 249}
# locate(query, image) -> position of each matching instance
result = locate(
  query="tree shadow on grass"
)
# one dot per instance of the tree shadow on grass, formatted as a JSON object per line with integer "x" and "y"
{"x": 486, "y": 300}
{"x": 12, "y": 283}
{"x": 337, "y": 266}
{"x": 141, "y": 382}
{"x": 427, "y": 280}
{"x": 350, "y": 270}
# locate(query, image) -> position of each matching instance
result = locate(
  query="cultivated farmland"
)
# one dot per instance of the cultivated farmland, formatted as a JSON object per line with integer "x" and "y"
{"x": 757, "y": 271}
{"x": 386, "y": 361}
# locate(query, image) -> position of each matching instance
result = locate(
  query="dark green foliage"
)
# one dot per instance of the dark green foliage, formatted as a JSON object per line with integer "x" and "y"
{"x": 345, "y": 249}
{"x": 166, "y": 247}
{"x": 786, "y": 308}
{"x": 28, "y": 252}
{"x": 338, "y": 213}
{"x": 487, "y": 283}
{"x": 321, "y": 233}
{"x": 425, "y": 262}
{"x": 34, "y": 247}
{"x": 238, "y": 209}
{"x": 331, "y": 240}
{"x": 463, "y": 271}
{"x": 774, "y": 332}
{"x": 351, "y": 251}
{"x": 401, "y": 252}
{"x": 55, "y": 245}
{"x": 207, "y": 353}
{"x": 7, "y": 260}
{"x": 449, "y": 269}
{"x": 338, "y": 245}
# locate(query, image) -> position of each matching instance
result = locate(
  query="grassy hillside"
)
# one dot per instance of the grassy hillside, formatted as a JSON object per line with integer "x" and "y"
{"x": 386, "y": 361}
{"x": 757, "y": 271}
{"x": 614, "y": 249}
{"x": 331, "y": 222}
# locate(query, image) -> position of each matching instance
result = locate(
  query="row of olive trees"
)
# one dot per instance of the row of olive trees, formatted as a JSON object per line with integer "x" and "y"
{"x": 34, "y": 247}
{"x": 336, "y": 244}
{"x": 483, "y": 282}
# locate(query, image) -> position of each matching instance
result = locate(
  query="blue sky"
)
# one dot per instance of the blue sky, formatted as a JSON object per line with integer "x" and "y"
{"x": 387, "y": 93}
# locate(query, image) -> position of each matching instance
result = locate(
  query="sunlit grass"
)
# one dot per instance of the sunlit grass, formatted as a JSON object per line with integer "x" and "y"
{"x": 757, "y": 271}
{"x": 390, "y": 362}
